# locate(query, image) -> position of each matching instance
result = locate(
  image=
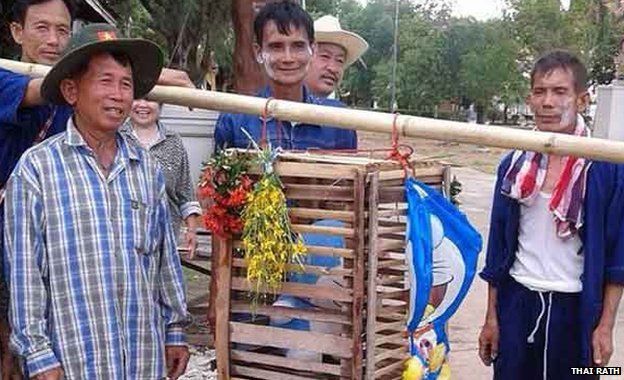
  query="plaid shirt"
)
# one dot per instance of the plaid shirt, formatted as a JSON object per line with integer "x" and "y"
{"x": 95, "y": 280}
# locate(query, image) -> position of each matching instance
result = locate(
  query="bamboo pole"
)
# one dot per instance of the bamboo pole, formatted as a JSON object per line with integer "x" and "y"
{"x": 409, "y": 126}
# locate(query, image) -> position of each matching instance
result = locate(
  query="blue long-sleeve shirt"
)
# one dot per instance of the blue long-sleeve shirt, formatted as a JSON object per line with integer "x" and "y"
{"x": 20, "y": 126}
{"x": 95, "y": 279}
{"x": 288, "y": 135}
{"x": 602, "y": 236}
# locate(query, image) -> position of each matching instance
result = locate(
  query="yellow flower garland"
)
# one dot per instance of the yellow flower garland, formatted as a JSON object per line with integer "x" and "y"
{"x": 268, "y": 241}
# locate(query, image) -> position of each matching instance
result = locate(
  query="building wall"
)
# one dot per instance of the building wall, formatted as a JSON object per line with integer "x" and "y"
{"x": 196, "y": 128}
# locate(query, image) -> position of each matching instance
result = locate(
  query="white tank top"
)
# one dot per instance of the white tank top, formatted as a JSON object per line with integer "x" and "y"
{"x": 544, "y": 262}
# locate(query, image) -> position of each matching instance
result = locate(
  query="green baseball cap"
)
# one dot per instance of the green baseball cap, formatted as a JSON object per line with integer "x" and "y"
{"x": 145, "y": 57}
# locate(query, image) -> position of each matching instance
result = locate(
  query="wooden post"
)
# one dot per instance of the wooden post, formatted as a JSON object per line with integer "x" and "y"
{"x": 371, "y": 299}
{"x": 359, "y": 187}
{"x": 223, "y": 277}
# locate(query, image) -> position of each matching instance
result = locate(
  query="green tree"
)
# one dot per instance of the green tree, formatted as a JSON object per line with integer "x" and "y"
{"x": 490, "y": 71}
{"x": 421, "y": 73}
{"x": 590, "y": 28}
{"x": 193, "y": 33}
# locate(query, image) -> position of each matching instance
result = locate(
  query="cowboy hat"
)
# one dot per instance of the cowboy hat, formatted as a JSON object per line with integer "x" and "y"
{"x": 146, "y": 59}
{"x": 327, "y": 30}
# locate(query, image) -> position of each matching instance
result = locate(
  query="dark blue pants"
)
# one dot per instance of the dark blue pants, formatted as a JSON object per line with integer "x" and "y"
{"x": 528, "y": 342}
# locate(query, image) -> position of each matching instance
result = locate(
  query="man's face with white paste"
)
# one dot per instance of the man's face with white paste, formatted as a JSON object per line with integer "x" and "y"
{"x": 555, "y": 101}
{"x": 285, "y": 57}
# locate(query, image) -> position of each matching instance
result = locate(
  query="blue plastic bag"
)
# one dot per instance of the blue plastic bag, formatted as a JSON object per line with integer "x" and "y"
{"x": 442, "y": 249}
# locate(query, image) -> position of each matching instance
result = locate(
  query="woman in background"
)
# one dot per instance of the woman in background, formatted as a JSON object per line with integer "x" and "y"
{"x": 166, "y": 146}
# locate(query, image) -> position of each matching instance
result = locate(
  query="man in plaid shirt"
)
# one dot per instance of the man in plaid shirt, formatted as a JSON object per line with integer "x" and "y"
{"x": 95, "y": 280}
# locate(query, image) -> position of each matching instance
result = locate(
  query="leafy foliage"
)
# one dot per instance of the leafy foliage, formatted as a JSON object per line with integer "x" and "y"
{"x": 196, "y": 34}
{"x": 442, "y": 59}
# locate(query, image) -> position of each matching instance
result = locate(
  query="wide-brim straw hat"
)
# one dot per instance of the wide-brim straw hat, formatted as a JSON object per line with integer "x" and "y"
{"x": 145, "y": 57}
{"x": 327, "y": 29}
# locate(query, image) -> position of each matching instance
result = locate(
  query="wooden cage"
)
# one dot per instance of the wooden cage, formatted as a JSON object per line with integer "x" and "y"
{"x": 355, "y": 311}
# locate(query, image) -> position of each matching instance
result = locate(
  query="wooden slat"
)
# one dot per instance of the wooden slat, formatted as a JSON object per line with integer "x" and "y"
{"x": 389, "y": 369}
{"x": 318, "y": 250}
{"x": 395, "y": 295}
{"x": 321, "y": 315}
{"x": 397, "y": 326}
{"x": 222, "y": 306}
{"x": 390, "y": 244}
{"x": 397, "y": 338}
{"x": 358, "y": 276}
{"x": 371, "y": 307}
{"x": 319, "y": 192}
{"x": 330, "y": 251}
{"x": 394, "y": 229}
{"x": 419, "y": 172}
{"x": 293, "y": 339}
{"x": 396, "y": 312}
{"x": 447, "y": 178}
{"x": 307, "y": 170}
{"x": 289, "y": 363}
{"x": 196, "y": 267}
{"x": 301, "y": 290}
{"x": 391, "y": 263}
{"x": 392, "y": 194}
{"x": 391, "y": 280}
{"x": 391, "y": 354}
{"x": 310, "y": 269}
{"x": 258, "y": 373}
{"x": 391, "y": 213}
{"x": 314, "y": 213}
{"x": 308, "y": 228}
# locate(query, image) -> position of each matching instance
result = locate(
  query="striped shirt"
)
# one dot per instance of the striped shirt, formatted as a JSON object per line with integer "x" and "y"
{"x": 95, "y": 280}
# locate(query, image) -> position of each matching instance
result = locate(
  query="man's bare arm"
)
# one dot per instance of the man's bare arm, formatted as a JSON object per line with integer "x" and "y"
{"x": 32, "y": 96}
{"x": 489, "y": 336}
{"x": 168, "y": 77}
{"x": 602, "y": 338}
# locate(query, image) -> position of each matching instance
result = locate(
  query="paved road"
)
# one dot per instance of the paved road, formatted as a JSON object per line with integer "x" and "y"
{"x": 464, "y": 327}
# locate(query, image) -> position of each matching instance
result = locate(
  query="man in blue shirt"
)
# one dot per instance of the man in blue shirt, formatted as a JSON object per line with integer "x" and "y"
{"x": 284, "y": 47}
{"x": 555, "y": 258}
{"x": 42, "y": 28}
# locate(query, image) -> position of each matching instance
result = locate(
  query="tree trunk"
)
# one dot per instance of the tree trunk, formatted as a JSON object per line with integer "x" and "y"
{"x": 248, "y": 75}
{"x": 505, "y": 114}
{"x": 480, "y": 109}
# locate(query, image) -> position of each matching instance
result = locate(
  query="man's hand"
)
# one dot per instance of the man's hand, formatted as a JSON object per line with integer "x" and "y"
{"x": 179, "y": 78}
{"x": 488, "y": 342}
{"x": 177, "y": 359}
{"x": 602, "y": 337}
{"x": 190, "y": 241}
{"x": 602, "y": 344}
{"x": 52, "y": 374}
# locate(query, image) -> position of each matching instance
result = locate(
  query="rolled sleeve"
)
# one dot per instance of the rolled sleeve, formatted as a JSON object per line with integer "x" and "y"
{"x": 41, "y": 361}
{"x": 175, "y": 336}
{"x": 615, "y": 275}
{"x": 190, "y": 208}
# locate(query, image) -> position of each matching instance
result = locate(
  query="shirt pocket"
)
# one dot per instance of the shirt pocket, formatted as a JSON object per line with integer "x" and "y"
{"x": 144, "y": 237}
